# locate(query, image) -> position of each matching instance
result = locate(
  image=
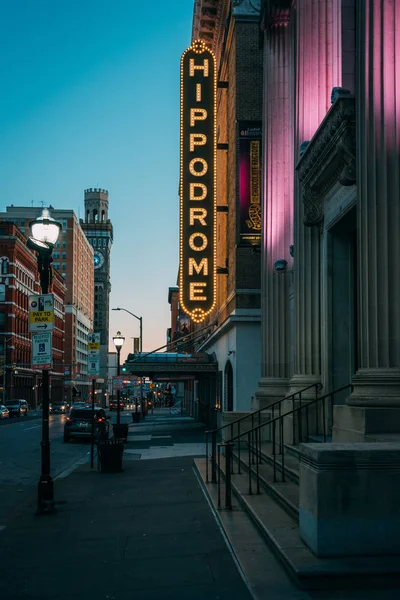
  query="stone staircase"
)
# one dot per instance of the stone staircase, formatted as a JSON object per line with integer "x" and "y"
{"x": 274, "y": 513}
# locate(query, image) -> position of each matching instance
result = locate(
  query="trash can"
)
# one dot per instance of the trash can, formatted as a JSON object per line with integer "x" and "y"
{"x": 120, "y": 431}
{"x": 110, "y": 455}
{"x": 135, "y": 417}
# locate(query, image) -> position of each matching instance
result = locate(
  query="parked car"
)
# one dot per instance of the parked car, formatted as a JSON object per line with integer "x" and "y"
{"x": 59, "y": 408}
{"x": 79, "y": 424}
{"x": 4, "y": 412}
{"x": 17, "y": 408}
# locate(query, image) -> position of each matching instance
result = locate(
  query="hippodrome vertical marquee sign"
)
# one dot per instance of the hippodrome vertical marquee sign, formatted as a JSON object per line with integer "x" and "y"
{"x": 197, "y": 270}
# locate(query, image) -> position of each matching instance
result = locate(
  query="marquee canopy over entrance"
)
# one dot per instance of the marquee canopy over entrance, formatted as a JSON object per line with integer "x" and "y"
{"x": 171, "y": 365}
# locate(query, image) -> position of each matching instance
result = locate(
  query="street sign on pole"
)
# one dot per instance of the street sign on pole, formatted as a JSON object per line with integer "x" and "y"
{"x": 42, "y": 353}
{"x": 93, "y": 367}
{"x": 93, "y": 355}
{"x": 41, "y": 313}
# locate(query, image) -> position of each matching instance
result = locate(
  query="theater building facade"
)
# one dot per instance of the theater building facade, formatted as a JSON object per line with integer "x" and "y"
{"x": 220, "y": 197}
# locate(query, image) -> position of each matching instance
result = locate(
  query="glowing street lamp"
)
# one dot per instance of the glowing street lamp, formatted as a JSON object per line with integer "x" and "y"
{"x": 45, "y": 231}
{"x": 118, "y": 340}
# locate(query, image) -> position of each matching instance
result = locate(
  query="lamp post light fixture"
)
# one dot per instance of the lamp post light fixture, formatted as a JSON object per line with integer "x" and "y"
{"x": 140, "y": 319}
{"x": 45, "y": 231}
{"x": 118, "y": 343}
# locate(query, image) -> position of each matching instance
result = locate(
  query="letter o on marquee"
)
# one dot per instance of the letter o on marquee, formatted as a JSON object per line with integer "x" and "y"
{"x": 193, "y": 245}
{"x": 203, "y": 164}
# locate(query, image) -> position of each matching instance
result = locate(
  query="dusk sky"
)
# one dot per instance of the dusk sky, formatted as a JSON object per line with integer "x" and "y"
{"x": 90, "y": 98}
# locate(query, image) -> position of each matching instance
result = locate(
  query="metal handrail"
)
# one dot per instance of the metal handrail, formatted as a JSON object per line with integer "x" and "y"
{"x": 214, "y": 432}
{"x": 278, "y": 446}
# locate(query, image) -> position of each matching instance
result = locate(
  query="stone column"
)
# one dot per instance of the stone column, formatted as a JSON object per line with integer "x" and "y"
{"x": 278, "y": 203}
{"x": 318, "y": 71}
{"x": 372, "y": 409}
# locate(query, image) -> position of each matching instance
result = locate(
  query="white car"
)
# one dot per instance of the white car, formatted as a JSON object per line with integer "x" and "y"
{"x": 4, "y": 412}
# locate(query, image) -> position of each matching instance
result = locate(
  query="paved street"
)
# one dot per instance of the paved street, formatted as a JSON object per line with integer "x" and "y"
{"x": 20, "y": 456}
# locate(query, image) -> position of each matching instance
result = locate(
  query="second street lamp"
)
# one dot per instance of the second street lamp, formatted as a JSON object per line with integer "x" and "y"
{"x": 140, "y": 319}
{"x": 45, "y": 232}
{"x": 118, "y": 343}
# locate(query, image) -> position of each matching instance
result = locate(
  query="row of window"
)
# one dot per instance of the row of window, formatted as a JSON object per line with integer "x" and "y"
{"x": 57, "y": 255}
{"x": 98, "y": 242}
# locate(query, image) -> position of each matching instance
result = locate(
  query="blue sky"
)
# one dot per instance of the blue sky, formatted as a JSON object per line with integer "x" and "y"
{"x": 90, "y": 98}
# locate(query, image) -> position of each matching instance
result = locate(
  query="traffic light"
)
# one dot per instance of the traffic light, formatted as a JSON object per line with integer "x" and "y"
{"x": 123, "y": 369}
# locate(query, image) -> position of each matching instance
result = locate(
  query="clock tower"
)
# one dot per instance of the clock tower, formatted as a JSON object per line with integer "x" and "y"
{"x": 99, "y": 232}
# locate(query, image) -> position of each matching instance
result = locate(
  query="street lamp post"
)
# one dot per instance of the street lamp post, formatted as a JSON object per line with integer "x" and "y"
{"x": 118, "y": 343}
{"x": 45, "y": 231}
{"x": 140, "y": 319}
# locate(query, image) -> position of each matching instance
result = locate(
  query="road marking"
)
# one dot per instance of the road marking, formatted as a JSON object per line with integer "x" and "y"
{"x": 34, "y": 427}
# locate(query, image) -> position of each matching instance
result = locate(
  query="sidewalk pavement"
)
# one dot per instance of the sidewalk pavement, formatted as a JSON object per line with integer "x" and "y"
{"x": 147, "y": 533}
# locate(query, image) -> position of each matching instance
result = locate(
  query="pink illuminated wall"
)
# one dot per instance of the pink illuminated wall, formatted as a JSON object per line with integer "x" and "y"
{"x": 319, "y": 66}
{"x": 378, "y": 188}
{"x": 278, "y": 213}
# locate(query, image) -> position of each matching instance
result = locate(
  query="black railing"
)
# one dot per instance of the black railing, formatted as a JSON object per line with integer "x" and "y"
{"x": 275, "y": 406}
{"x": 320, "y": 424}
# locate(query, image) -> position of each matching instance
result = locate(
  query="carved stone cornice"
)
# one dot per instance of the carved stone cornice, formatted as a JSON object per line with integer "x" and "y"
{"x": 209, "y": 21}
{"x": 275, "y": 13}
{"x": 330, "y": 157}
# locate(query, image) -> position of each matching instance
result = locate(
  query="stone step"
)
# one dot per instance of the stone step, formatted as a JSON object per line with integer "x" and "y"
{"x": 291, "y": 461}
{"x": 281, "y": 533}
{"x": 286, "y": 494}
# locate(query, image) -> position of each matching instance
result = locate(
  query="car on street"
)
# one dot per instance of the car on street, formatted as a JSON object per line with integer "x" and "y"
{"x": 113, "y": 405}
{"x": 17, "y": 408}
{"x": 78, "y": 424}
{"x": 4, "y": 412}
{"x": 81, "y": 405}
{"x": 60, "y": 408}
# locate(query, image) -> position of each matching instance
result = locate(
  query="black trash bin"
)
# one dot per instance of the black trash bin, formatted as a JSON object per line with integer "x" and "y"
{"x": 135, "y": 417}
{"x": 120, "y": 431}
{"x": 110, "y": 455}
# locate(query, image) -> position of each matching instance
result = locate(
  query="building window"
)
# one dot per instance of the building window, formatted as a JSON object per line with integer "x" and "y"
{"x": 63, "y": 275}
{"x": 64, "y": 244}
{"x": 56, "y": 265}
{"x": 105, "y": 242}
{"x": 4, "y": 267}
{"x": 2, "y": 292}
{"x": 2, "y": 320}
{"x": 63, "y": 266}
{"x": 64, "y": 223}
{"x": 56, "y": 255}
{"x": 94, "y": 242}
{"x": 64, "y": 255}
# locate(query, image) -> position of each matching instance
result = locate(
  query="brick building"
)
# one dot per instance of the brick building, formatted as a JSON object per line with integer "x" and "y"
{"x": 231, "y": 31}
{"x": 73, "y": 260}
{"x": 18, "y": 280}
